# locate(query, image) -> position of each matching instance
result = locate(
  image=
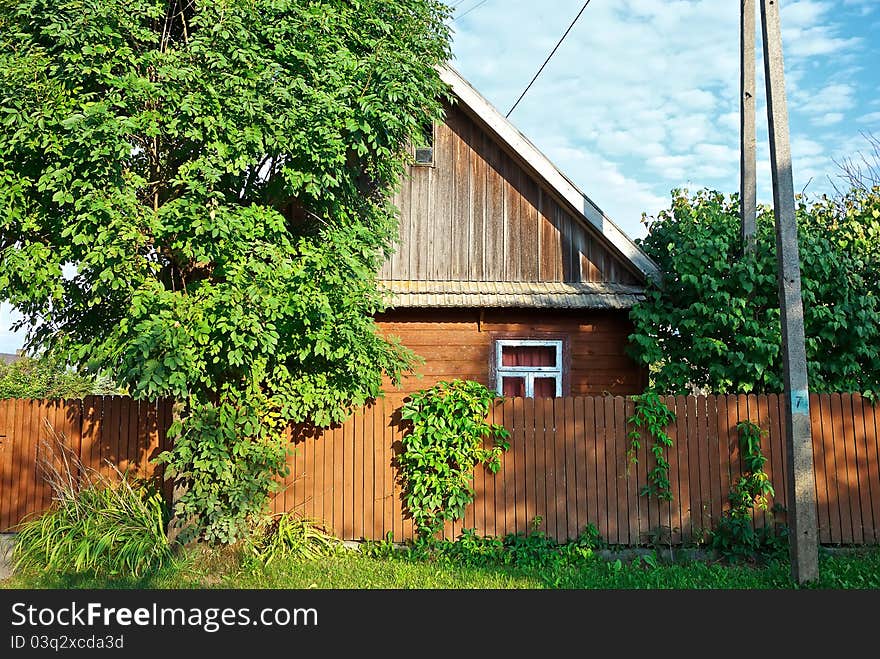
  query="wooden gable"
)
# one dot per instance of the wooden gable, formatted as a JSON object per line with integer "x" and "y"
{"x": 481, "y": 214}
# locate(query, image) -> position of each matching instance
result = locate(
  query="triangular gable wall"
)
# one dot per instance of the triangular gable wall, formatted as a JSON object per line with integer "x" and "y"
{"x": 481, "y": 214}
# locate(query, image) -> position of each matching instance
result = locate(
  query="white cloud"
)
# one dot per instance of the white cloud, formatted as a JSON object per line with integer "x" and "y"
{"x": 828, "y": 119}
{"x": 831, "y": 98}
{"x": 869, "y": 118}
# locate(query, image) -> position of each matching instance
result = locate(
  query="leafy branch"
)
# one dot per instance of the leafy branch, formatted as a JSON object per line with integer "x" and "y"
{"x": 442, "y": 448}
{"x": 653, "y": 417}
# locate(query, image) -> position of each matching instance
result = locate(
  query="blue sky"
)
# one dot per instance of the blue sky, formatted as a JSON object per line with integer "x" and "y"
{"x": 643, "y": 95}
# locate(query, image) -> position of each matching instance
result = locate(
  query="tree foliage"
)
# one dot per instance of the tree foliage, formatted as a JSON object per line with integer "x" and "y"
{"x": 714, "y": 324}
{"x": 46, "y": 378}
{"x": 196, "y": 195}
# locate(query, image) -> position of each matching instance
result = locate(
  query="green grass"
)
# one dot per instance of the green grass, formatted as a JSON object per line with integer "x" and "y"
{"x": 201, "y": 567}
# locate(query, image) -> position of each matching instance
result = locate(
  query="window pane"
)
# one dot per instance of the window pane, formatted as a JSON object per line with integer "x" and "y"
{"x": 545, "y": 387}
{"x": 528, "y": 355}
{"x": 513, "y": 387}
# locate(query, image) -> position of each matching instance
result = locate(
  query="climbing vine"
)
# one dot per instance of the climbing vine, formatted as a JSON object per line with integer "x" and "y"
{"x": 652, "y": 416}
{"x": 736, "y": 535}
{"x": 440, "y": 451}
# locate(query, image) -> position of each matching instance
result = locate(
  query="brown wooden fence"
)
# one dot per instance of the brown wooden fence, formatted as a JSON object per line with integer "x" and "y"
{"x": 567, "y": 465}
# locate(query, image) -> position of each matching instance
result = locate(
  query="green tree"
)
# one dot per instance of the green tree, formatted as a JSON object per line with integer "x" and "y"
{"x": 715, "y": 325}
{"x": 218, "y": 175}
{"x": 46, "y": 378}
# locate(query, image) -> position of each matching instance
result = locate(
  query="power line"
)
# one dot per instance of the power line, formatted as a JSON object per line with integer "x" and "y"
{"x": 548, "y": 58}
{"x": 482, "y": 2}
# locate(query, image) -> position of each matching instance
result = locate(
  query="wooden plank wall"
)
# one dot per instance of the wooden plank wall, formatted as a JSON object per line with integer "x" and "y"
{"x": 459, "y": 343}
{"x": 567, "y": 465}
{"x": 478, "y": 215}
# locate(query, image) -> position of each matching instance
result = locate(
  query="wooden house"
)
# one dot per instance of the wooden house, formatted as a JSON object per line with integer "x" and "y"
{"x": 505, "y": 272}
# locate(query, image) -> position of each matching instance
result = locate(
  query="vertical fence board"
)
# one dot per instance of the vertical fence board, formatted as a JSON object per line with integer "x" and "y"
{"x": 372, "y": 430}
{"x": 872, "y": 430}
{"x": 777, "y": 448}
{"x": 852, "y": 479}
{"x": 16, "y": 460}
{"x": 347, "y": 448}
{"x": 576, "y": 491}
{"x": 529, "y": 453}
{"x": 728, "y": 447}
{"x": 590, "y": 476}
{"x": 829, "y": 427}
{"x": 505, "y": 495}
{"x": 543, "y": 466}
{"x": 553, "y": 479}
{"x": 759, "y": 415}
{"x": 655, "y": 516}
{"x": 152, "y": 439}
{"x": 844, "y": 454}
{"x": 703, "y": 419}
{"x": 46, "y": 421}
{"x": 34, "y": 477}
{"x": 337, "y": 493}
{"x": 575, "y": 412}
{"x": 128, "y": 449}
{"x": 602, "y": 509}
{"x": 742, "y": 414}
{"x": 7, "y": 481}
{"x": 518, "y": 450}
{"x": 624, "y": 518}
{"x": 712, "y": 500}
{"x": 680, "y": 409}
{"x": 816, "y": 426}
{"x": 611, "y": 470}
{"x": 673, "y": 509}
{"x": 377, "y": 477}
{"x": 866, "y": 523}
{"x": 139, "y": 438}
{"x": 359, "y": 419}
{"x": 697, "y": 524}
{"x": 388, "y": 475}
{"x": 720, "y": 457}
{"x": 637, "y": 512}
{"x": 563, "y": 486}
{"x": 717, "y": 414}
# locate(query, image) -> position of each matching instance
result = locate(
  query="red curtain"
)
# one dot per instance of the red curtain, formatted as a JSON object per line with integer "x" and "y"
{"x": 528, "y": 356}
{"x": 545, "y": 387}
{"x": 514, "y": 387}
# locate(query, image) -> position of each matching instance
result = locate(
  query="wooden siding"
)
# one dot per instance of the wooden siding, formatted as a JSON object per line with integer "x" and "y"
{"x": 479, "y": 215}
{"x": 567, "y": 464}
{"x": 458, "y": 344}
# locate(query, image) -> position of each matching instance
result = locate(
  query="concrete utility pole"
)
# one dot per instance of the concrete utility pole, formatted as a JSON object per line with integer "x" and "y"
{"x": 804, "y": 548}
{"x": 747, "y": 177}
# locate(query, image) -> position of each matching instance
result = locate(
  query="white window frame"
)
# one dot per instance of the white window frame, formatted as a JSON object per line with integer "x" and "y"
{"x": 527, "y": 372}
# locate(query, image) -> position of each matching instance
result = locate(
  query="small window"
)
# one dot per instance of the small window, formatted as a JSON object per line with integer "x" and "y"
{"x": 424, "y": 152}
{"x": 530, "y": 369}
